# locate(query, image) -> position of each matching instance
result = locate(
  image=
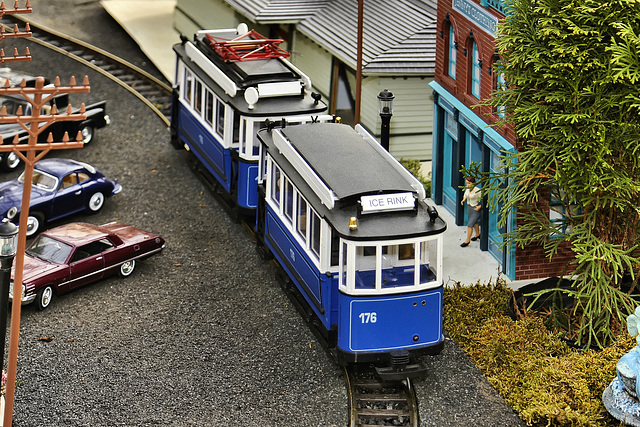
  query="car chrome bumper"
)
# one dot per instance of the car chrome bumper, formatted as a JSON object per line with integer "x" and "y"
{"x": 26, "y": 299}
{"x": 116, "y": 188}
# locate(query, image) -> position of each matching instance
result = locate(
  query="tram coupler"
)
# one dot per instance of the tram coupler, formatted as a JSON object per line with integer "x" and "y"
{"x": 401, "y": 368}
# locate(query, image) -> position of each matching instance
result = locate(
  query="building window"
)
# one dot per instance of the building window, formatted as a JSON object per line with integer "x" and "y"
{"x": 501, "y": 85}
{"x": 452, "y": 53}
{"x": 560, "y": 213}
{"x": 475, "y": 70}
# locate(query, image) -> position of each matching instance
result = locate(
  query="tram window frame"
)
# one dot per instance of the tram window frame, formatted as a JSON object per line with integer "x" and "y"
{"x": 188, "y": 84}
{"x": 288, "y": 200}
{"x": 220, "y": 114}
{"x": 315, "y": 232}
{"x": 276, "y": 178}
{"x": 357, "y": 261}
{"x": 197, "y": 96}
{"x": 236, "y": 128}
{"x": 209, "y": 101}
{"x": 302, "y": 216}
{"x": 335, "y": 247}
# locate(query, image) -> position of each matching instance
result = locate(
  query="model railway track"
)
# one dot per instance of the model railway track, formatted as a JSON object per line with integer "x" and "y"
{"x": 373, "y": 402}
{"x": 149, "y": 89}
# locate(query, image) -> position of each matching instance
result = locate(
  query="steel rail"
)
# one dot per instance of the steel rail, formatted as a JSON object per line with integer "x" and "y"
{"x": 102, "y": 62}
{"x": 373, "y": 402}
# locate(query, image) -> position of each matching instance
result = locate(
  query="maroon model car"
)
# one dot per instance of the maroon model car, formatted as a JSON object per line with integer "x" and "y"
{"x": 73, "y": 255}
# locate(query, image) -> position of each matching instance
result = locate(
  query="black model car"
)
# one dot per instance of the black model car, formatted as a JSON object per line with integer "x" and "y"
{"x": 96, "y": 118}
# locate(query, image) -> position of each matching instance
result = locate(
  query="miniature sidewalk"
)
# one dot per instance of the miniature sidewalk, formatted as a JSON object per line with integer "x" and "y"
{"x": 141, "y": 19}
{"x": 465, "y": 265}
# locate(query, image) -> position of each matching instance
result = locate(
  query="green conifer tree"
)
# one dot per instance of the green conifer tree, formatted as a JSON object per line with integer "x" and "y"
{"x": 572, "y": 69}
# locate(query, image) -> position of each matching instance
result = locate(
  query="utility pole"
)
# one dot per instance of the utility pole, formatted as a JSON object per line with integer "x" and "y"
{"x": 36, "y": 123}
{"x": 16, "y": 33}
{"x": 30, "y": 152}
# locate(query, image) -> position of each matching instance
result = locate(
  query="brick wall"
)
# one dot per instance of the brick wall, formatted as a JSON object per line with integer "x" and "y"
{"x": 460, "y": 87}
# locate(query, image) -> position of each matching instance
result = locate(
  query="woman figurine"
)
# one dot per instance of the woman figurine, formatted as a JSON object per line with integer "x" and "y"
{"x": 472, "y": 196}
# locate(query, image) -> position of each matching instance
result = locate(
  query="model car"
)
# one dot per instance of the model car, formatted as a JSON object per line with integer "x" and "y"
{"x": 96, "y": 118}
{"x": 67, "y": 257}
{"x": 60, "y": 187}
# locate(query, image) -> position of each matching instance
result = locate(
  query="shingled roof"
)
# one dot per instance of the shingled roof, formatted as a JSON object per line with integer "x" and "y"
{"x": 399, "y": 36}
{"x": 277, "y": 11}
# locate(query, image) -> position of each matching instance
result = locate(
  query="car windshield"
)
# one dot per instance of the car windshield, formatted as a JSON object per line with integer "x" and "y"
{"x": 49, "y": 249}
{"x": 41, "y": 180}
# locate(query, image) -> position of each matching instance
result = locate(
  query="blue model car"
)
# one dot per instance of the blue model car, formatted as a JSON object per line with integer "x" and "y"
{"x": 61, "y": 187}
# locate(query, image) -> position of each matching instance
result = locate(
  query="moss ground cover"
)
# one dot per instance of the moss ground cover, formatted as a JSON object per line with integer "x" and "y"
{"x": 545, "y": 380}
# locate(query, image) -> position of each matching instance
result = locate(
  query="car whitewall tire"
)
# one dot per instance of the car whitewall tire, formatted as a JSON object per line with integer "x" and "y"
{"x": 44, "y": 297}
{"x": 126, "y": 268}
{"x": 96, "y": 201}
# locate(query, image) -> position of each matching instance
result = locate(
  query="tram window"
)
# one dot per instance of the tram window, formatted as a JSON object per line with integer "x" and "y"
{"x": 315, "y": 232}
{"x": 236, "y": 128}
{"x": 208, "y": 107}
{"x": 197, "y": 96}
{"x": 302, "y": 218}
{"x": 406, "y": 252}
{"x": 368, "y": 251}
{"x": 371, "y": 250}
{"x": 252, "y": 146}
{"x": 335, "y": 247}
{"x": 188, "y": 81}
{"x": 365, "y": 273}
{"x": 427, "y": 274}
{"x": 220, "y": 118}
{"x": 288, "y": 200}
{"x": 275, "y": 185}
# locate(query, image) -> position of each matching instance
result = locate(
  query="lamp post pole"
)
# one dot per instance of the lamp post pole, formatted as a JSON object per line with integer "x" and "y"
{"x": 8, "y": 245}
{"x": 385, "y": 104}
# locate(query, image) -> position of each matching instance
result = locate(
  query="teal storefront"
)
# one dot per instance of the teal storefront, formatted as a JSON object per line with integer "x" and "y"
{"x": 459, "y": 138}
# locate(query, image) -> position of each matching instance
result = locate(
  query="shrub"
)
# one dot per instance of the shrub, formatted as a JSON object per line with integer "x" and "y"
{"x": 545, "y": 381}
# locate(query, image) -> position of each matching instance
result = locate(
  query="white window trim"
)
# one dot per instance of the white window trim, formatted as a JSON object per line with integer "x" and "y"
{"x": 349, "y": 287}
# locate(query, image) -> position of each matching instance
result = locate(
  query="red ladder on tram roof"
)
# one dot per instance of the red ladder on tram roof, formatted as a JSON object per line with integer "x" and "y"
{"x": 247, "y": 47}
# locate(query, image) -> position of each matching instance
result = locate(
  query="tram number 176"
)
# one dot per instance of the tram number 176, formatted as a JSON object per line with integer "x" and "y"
{"x": 368, "y": 317}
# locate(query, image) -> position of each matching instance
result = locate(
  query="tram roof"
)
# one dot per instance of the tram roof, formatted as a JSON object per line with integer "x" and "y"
{"x": 350, "y": 167}
{"x": 347, "y": 163}
{"x": 270, "y": 106}
{"x": 246, "y": 73}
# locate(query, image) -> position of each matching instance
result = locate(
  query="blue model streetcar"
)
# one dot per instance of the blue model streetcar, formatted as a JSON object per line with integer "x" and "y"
{"x": 350, "y": 227}
{"x": 227, "y": 83}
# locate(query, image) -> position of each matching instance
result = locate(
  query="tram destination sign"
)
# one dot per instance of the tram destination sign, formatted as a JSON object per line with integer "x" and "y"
{"x": 387, "y": 202}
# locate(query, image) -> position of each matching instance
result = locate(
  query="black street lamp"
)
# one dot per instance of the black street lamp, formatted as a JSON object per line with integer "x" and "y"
{"x": 8, "y": 245}
{"x": 385, "y": 104}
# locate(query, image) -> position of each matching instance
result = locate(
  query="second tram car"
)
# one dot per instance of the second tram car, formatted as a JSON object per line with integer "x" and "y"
{"x": 227, "y": 83}
{"x": 351, "y": 228}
